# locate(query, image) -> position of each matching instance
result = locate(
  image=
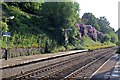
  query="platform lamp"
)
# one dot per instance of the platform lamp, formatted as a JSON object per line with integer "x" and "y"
{"x": 6, "y": 49}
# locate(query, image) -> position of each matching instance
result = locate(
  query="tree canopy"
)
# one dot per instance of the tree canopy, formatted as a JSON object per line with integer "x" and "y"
{"x": 104, "y": 25}
{"x": 90, "y": 19}
{"x": 37, "y": 24}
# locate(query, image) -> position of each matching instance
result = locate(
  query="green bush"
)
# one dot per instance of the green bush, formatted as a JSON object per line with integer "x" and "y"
{"x": 114, "y": 37}
{"x": 87, "y": 41}
{"x": 106, "y": 38}
{"x": 70, "y": 47}
{"x": 58, "y": 49}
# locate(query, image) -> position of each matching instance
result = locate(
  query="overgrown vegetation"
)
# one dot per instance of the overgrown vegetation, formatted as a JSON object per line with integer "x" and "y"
{"x": 42, "y": 25}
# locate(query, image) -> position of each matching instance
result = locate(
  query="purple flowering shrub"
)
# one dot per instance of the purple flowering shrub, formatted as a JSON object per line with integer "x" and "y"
{"x": 90, "y": 31}
{"x": 82, "y": 30}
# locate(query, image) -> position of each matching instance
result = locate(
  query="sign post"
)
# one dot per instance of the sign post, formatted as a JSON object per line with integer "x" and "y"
{"x": 6, "y": 34}
{"x": 66, "y": 36}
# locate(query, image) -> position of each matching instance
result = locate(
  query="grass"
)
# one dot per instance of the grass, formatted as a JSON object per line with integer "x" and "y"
{"x": 88, "y": 43}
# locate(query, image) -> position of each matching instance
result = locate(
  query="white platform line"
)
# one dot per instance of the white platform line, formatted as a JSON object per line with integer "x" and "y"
{"x": 100, "y": 67}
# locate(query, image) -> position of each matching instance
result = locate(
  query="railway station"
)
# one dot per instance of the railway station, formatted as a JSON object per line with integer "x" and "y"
{"x": 60, "y": 66}
{"x": 59, "y": 40}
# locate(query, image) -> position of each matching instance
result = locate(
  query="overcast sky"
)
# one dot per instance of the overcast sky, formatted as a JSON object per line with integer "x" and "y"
{"x": 107, "y": 8}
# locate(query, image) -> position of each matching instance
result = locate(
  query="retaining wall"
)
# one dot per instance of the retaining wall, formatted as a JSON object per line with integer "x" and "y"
{"x": 16, "y": 52}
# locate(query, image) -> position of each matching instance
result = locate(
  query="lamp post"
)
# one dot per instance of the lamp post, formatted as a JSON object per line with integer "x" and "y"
{"x": 6, "y": 49}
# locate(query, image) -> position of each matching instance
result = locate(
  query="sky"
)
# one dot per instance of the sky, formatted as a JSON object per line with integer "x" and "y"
{"x": 107, "y": 8}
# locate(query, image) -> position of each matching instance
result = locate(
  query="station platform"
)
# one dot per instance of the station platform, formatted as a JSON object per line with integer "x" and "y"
{"x": 33, "y": 58}
{"x": 105, "y": 72}
{"x": 115, "y": 75}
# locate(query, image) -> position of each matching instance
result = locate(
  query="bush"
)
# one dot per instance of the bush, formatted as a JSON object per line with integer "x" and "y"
{"x": 70, "y": 47}
{"x": 57, "y": 49}
{"x": 114, "y": 37}
{"x": 106, "y": 38}
{"x": 87, "y": 42}
{"x": 78, "y": 47}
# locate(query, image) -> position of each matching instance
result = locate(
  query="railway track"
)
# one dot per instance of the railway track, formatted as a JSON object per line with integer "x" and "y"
{"x": 86, "y": 71}
{"x": 60, "y": 73}
{"x": 59, "y": 70}
{"x": 27, "y": 68}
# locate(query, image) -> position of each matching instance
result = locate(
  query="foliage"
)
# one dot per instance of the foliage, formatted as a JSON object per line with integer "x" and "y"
{"x": 118, "y": 33}
{"x": 60, "y": 16}
{"x": 86, "y": 41}
{"x": 92, "y": 32}
{"x": 106, "y": 38}
{"x": 82, "y": 30}
{"x": 104, "y": 25}
{"x": 40, "y": 25}
{"x": 90, "y": 19}
{"x": 59, "y": 48}
{"x": 114, "y": 37}
{"x": 3, "y": 26}
{"x": 28, "y": 7}
{"x": 88, "y": 30}
{"x": 100, "y": 36}
{"x": 37, "y": 23}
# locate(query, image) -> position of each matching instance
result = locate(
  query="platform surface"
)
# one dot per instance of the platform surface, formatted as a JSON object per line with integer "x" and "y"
{"x": 27, "y": 59}
{"x": 105, "y": 72}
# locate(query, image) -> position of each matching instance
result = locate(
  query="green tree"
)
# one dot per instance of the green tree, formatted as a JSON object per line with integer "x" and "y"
{"x": 29, "y": 7}
{"x": 106, "y": 38}
{"x": 118, "y": 33}
{"x": 3, "y": 26}
{"x": 114, "y": 37}
{"x": 60, "y": 15}
{"x": 104, "y": 25}
{"x": 90, "y": 19}
{"x": 49, "y": 18}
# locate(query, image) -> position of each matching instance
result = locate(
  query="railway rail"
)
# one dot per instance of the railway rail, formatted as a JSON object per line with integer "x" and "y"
{"x": 60, "y": 73}
{"x": 60, "y": 69}
{"x": 86, "y": 71}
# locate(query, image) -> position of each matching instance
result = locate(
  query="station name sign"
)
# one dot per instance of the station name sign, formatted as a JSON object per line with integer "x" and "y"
{"x": 6, "y": 34}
